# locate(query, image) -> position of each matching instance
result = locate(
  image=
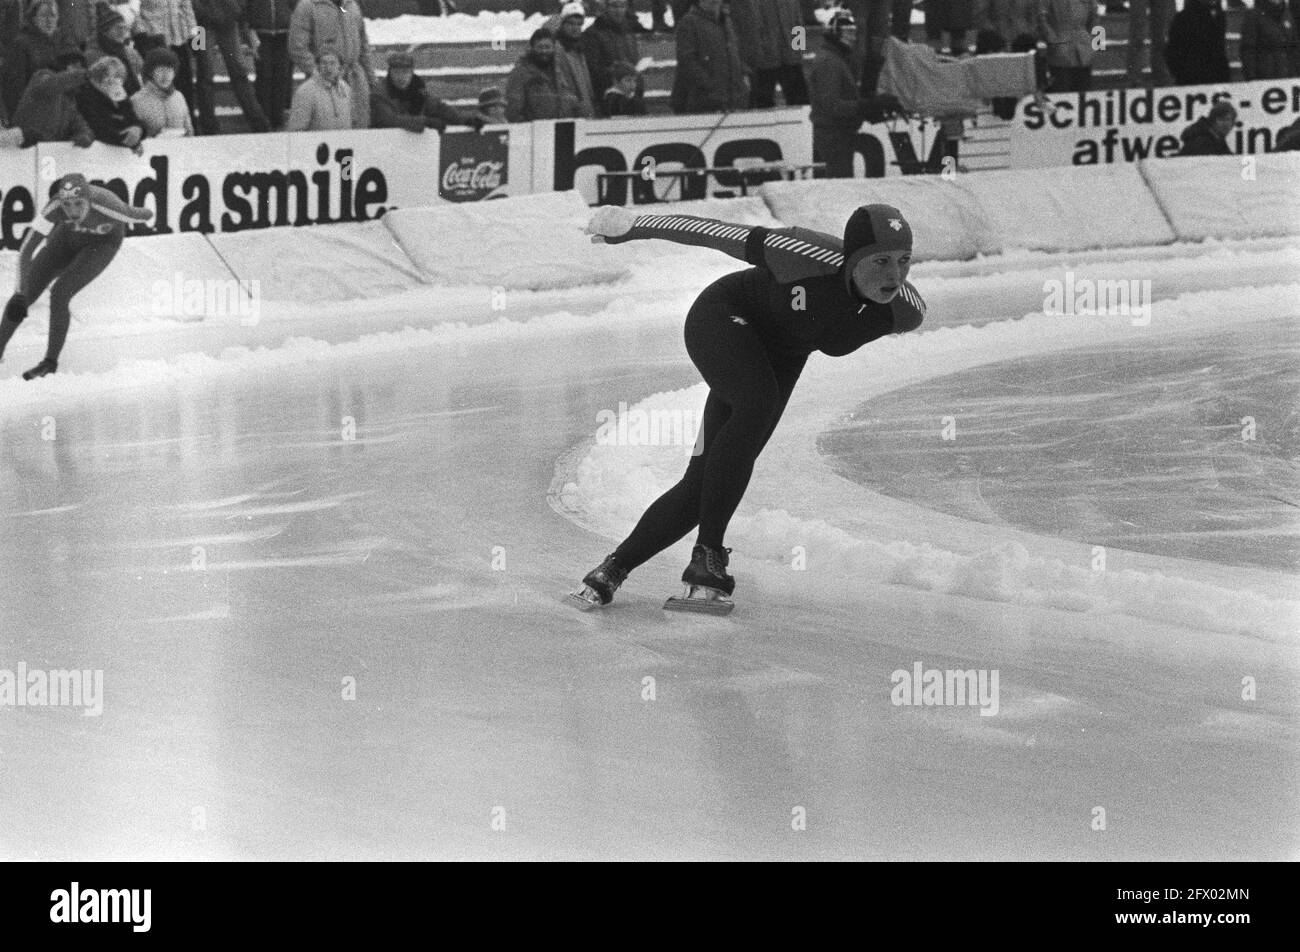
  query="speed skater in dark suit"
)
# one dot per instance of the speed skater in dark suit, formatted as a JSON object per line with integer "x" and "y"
{"x": 749, "y": 334}
{"x": 81, "y": 231}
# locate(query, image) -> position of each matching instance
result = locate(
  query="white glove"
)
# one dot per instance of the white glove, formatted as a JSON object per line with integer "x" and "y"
{"x": 610, "y": 221}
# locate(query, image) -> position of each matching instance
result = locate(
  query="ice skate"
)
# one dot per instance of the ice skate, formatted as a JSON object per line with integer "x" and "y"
{"x": 708, "y": 586}
{"x": 43, "y": 369}
{"x": 599, "y": 586}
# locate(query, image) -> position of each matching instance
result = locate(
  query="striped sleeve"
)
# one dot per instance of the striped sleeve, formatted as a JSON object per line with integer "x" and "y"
{"x": 790, "y": 254}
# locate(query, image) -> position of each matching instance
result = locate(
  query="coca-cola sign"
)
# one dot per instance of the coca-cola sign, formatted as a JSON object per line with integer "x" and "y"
{"x": 474, "y": 166}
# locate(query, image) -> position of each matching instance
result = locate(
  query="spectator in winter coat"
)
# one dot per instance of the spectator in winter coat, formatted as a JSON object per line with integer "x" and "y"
{"x": 401, "y": 101}
{"x": 170, "y": 24}
{"x": 954, "y": 17}
{"x": 47, "y": 113}
{"x": 1066, "y": 27}
{"x": 1269, "y": 46}
{"x": 570, "y": 60}
{"x": 226, "y": 26}
{"x": 112, "y": 38}
{"x": 766, "y": 31}
{"x": 103, "y": 103}
{"x": 533, "y": 90}
{"x": 336, "y": 25}
{"x": 1208, "y": 135}
{"x": 623, "y": 98}
{"x": 269, "y": 21}
{"x": 36, "y": 47}
{"x": 609, "y": 41}
{"x": 77, "y": 22}
{"x": 710, "y": 73}
{"x": 158, "y": 105}
{"x": 1196, "y": 52}
{"x": 837, "y": 108}
{"x": 324, "y": 101}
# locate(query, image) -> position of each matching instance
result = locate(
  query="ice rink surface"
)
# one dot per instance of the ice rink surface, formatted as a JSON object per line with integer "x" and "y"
{"x": 233, "y": 538}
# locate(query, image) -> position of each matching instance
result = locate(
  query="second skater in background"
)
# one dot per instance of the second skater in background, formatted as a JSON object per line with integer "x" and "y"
{"x": 749, "y": 334}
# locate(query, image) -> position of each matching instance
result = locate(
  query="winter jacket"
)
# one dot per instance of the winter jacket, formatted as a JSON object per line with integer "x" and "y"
{"x": 1197, "y": 52}
{"x": 31, "y": 51}
{"x": 1066, "y": 27}
{"x": 833, "y": 89}
{"x": 173, "y": 20}
{"x": 1269, "y": 47}
{"x": 76, "y": 22}
{"x": 710, "y": 73}
{"x": 765, "y": 32}
{"x": 1199, "y": 139}
{"x": 318, "y": 106}
{"x": 414, "y": 109}
{"x": 575, "y": 78}
{"x": 606, "y": 42}
{"x": 47, "y": 112}
{"x": 157, "y": 112}
{"x": 324, "y": 24}
{"x": 270, "y": 16}
{"x": 107, "y": 119}
{"x": 533, "y": 92}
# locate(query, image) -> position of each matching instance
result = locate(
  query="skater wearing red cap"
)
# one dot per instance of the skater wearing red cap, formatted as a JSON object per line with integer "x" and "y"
{"x": 82, "y": 229}
{"x": 749, "y": 334}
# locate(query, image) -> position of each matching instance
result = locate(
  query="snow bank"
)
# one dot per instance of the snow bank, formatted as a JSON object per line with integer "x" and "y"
{"x": 1228, "y": 196}
{"x": 948, "y": 222}
{"x": 1070, "y": 209}
{"x": 531, "y": 242}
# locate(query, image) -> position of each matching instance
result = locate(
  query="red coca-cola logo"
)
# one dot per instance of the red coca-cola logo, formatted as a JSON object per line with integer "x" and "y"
{"x": 480, "y": 176}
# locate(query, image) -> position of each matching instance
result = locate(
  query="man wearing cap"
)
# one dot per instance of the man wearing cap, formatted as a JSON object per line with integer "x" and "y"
{"x": 72, "y": 241}
{"x": 533, "y": 89}
{"x": 570, "y": 57}
{"x": 1208, "y": 135}
{"x": 749, "y": 333}
{"x": 401, "y": 101}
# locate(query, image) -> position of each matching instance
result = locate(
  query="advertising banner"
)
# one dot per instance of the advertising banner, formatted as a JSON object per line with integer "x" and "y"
{"x": 1124, "y": 125}
{"x": 475, "y": 165}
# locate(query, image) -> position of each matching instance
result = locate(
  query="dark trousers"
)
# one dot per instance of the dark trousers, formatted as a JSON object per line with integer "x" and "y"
{"x": 274, "y": 80}
{"x": 835, "y": 148}
{"x": 227, "y": 41}
{"x": 1070, "y": 79}
{"x": 791, "y": 80}
{"x": 71, "y": 261}
{"x": 748, "y": 390}
{"x": 184, "y": 83}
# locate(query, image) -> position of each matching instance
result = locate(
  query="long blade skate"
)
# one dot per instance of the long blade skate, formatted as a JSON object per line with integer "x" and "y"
{"x": 701, "y": 599}
{"x": 584, "y": 599}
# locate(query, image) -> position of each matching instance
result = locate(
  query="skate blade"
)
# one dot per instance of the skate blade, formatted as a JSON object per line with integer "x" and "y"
{"x": 700, "y": 600}
{"x": 584, "y": 600}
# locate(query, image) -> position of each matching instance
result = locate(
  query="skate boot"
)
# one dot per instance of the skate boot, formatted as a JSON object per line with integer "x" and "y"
{"x": 708, "y": 586}
{"x": 599, "y": 585}
{"x": 44, "y": 368}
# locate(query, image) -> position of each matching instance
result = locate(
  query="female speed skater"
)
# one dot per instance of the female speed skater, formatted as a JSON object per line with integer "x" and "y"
{"x": 82, "y": 229}
{"x": 749, "y": 334}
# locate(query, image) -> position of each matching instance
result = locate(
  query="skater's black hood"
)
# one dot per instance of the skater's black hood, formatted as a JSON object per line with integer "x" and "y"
{"x": 870, "y": 229}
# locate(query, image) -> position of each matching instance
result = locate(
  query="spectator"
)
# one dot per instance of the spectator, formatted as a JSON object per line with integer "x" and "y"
{"x": 402, "y": 101}
{"x": 1066, "y": 27}
{"x": 225, "y": 23}
{"x": 1148, "y": 18}
{"x": 170, "y": 24}
{"x": 112, "y": 38}
{"x": 953, "y": 17}
{"x": 1208, "y": 135}
{"x": 710, "y": 74}
{"x": 492, "y": 105}
{"x": 765, "y": 30}
{"x": 1009, "y": 19}
{"x": 837, "y": 108}
{"x": 273, "y": 84}
{"x": 570, "y": 60}
{"x": 76, "y": 22}
{"x": 623, "y": 98}
{"x": 324, "y": 101}
{"x": 1196, "y": 52}
{"x": 533, "y": 90}
{"x": 104, "y": 105}
{"x": 36, "y": 47}
{"x": 1288, "y": 140}
{"x": 1269, "y": 48}
{"x": 608, "y": 41}
{"x": 47, "y": 113}
{"x": 336, "y": 25}
{"x": 158, "y": 105}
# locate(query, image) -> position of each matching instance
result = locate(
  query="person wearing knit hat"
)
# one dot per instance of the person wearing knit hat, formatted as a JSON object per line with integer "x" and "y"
{"x": 76, "y": 236}
{"x": 749, "y": 334}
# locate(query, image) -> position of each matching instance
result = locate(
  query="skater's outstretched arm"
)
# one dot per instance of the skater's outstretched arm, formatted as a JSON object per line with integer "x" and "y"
{"x": 789, "y": 253}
